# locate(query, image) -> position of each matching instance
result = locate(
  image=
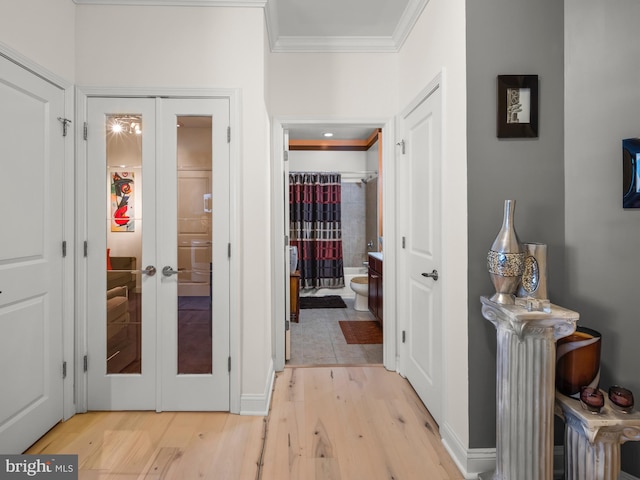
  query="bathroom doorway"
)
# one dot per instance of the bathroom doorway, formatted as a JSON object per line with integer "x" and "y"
{"x": 329, "y": 322}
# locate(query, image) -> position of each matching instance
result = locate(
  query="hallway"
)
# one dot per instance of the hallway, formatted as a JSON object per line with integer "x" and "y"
{"x": 347, "y": 423}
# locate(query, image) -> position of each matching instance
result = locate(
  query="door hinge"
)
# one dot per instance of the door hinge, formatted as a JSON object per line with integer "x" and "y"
{"x": 228, "y": 250}
{"x": 65, "y": 122}
{"x": 86, "y": 248}
{"x": 286, "y": 155}
{"x": 228, "y": 134}
{"x": 85, "y": 363}
{"x": 404, "y": 242}
{"x": 64, "y": 370}
{"x": 85, "y": 130}
{"x": 286, "y": 240}
{"x": 229, "y": 364}
{"x": 64, "y": 248}
{"x": 401, "y": 145}
{"x": 404, "y": 336}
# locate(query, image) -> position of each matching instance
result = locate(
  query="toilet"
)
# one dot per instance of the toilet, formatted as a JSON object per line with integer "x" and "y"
{"x": 360, "y": 285}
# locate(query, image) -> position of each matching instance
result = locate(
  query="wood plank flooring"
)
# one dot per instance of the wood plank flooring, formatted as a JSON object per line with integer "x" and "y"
{"x": 328, "y": 423}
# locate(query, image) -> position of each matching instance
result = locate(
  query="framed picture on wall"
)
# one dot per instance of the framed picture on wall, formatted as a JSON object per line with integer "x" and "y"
{"x": 517, "y": 106}
{"x": 630, "y": 173}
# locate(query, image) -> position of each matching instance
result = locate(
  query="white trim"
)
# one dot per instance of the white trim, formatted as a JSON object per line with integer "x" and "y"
{"x": 68, "y": 290}
{"x": 177, "y": 3}
{"x": 235, "y": 280}
{"x": 470, "y": 462}
{"x": 310, "y": 44}
{"x": 235, "y": 108}
{"x": 278, "y": 276}
{"x": 16, "y": 57}
{"x": 389, "y": 242}
{"x": 258, "y": 404}
{"x": 409, "y": 18}
{"x": 81, "y": 273}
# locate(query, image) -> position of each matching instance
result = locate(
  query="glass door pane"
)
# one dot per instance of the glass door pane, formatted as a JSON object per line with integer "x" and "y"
{"x": 124, "y": 243}
{"x": 194, "y": 242}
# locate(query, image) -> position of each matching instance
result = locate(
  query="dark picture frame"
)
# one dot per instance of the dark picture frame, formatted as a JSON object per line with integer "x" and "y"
{"x": 517, "y": 106}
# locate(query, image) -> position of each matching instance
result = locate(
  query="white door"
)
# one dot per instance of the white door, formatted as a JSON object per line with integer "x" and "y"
{"x": 158, "y": 173}
{"x": 194, "y": 236}
{"x": 288, "y": 255}
{"x": 32, "y": 158}
{"x": 420, "y": 223}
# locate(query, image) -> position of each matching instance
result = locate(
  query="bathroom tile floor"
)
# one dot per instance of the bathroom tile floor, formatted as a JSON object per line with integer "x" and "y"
{"x": 318, "y": 340}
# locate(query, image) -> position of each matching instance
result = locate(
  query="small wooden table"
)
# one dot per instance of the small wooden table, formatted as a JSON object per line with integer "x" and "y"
{"x": 294, "y": 285}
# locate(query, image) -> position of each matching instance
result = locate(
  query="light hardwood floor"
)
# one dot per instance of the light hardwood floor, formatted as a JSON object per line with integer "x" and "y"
{"x": 338, "y": 423}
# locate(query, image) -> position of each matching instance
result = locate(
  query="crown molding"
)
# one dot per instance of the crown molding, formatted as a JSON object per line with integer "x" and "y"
{"x": 308, "y": 44}
{"x": 347, "y": 44}
{"x": 177, "y": 3}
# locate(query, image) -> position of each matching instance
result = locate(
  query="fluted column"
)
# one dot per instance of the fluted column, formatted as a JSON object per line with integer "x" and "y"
{"x": 526, "y": 366}
{"x": 592, "y": 441}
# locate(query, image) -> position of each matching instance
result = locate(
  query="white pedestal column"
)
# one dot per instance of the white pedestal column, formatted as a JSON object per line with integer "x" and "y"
{"x": 592, "y": 441}
{"x": 526, "y": 367}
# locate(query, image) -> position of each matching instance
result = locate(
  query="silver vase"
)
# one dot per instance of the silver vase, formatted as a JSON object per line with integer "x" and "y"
{"x": 505, "y": 260}
{"x": 534, "y": 276}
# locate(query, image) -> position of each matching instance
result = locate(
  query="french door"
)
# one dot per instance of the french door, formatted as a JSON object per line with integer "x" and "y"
{"x": 158, "y": 236}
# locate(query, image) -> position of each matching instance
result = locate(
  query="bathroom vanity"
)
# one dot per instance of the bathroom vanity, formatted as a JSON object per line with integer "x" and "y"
{"x": 375, "y": 285}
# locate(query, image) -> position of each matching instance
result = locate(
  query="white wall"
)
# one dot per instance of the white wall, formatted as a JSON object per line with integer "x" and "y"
{"x": 340, "y": 85}
{"x": 42, "y": 31}
{"x": 437, "y": 43}
{"x": 208, "y": 48}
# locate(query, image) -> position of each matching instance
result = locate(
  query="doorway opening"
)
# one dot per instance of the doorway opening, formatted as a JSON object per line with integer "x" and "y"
{"x": 335, "y": 290}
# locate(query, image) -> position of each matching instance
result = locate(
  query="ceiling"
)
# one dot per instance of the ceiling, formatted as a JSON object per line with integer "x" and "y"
{"x": 340, "y": 131}
{"x": 340, "y": 25}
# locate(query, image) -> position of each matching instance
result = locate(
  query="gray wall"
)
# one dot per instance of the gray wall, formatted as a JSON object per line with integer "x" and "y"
{"x": 602, "y": 239}
{"x": 354, "y": 242}
{"x": 510, "y": 37}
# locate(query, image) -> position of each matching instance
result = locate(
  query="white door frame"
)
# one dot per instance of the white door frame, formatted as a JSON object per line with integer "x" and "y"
{"x": 68, "y": 266}
{"x": 278, "y": 125}
{"x": 82, "y": 96}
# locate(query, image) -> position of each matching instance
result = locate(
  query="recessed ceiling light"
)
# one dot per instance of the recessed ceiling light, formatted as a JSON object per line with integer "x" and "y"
{"x": 328, "y": 134}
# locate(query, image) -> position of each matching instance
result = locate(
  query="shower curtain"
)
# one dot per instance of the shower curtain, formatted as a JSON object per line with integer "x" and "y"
{"x": 316, "y": 228}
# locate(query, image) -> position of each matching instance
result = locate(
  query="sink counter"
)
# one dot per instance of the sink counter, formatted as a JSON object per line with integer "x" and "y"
{"x": 377, "y": 255}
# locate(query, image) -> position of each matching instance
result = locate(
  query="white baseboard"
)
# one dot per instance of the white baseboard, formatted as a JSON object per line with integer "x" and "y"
{"x": 473, "y": 461}
{"x": 470, "y": 462}
{"x": 258, "y": 404}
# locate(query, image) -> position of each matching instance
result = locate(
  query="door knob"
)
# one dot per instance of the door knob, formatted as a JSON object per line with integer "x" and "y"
{"x": 150, "y": 270}
{"x": 168, "y": 271}
{"x": 433, "y": 274}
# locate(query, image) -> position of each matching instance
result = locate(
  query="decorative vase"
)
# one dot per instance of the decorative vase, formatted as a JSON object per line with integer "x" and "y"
{"x": 505, "y": 260}
{"x": 578, "y": 361}
{"x": 534, "y": 275}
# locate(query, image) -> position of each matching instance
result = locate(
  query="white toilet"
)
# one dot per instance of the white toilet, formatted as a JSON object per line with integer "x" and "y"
{"x": 360, "y": 285}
